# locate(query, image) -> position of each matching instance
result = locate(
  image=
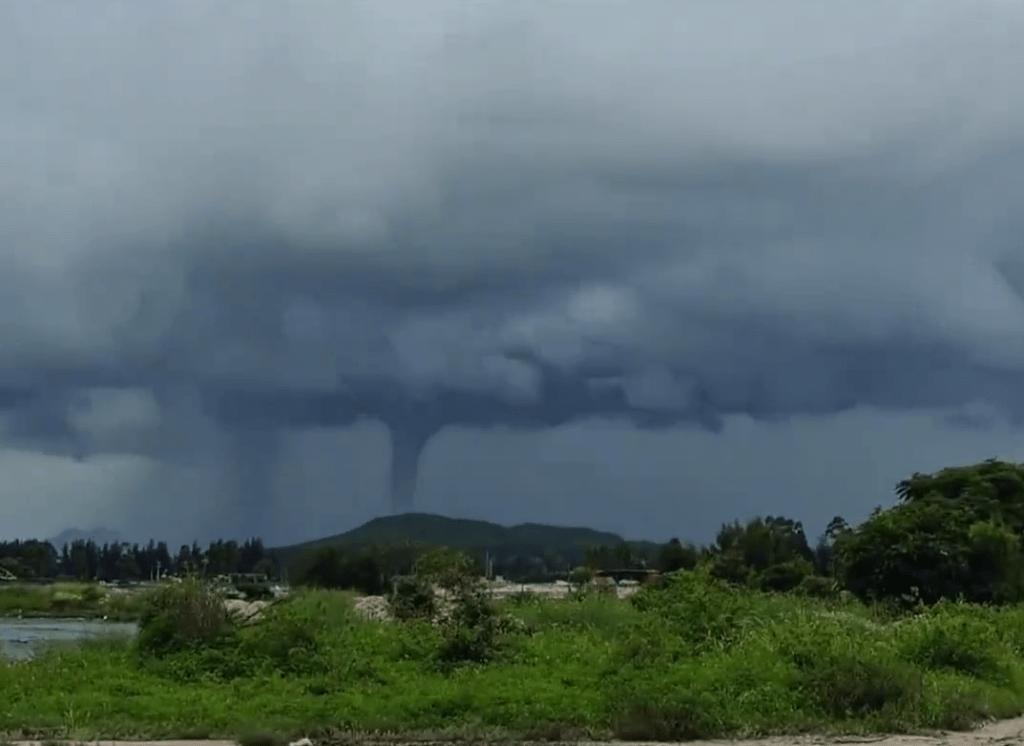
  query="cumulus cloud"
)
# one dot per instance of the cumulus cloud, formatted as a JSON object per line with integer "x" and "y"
{"x": 313, "y": 213}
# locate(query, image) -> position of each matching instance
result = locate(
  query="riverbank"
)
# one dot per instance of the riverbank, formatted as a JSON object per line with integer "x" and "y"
{"x": 691, "y": 660}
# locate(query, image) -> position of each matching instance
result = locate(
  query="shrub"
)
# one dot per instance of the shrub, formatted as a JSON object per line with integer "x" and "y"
{"x": 677, "y": 556}
{"x": 287, "y": 637}
{"x": 467, "y": 644}
{"x": 412, "y": 597}
{"x": 816, "y": 586}
{"x": 731, "y": 567}
{"x": 179, "y": 616}
{"x": 851, "y": 687}
{"x": 523, "y": 598}
{"x": 471, "y": 632}
{"x": 701, "y": 610}
{"x": 946, "y": 637}
{"x": 447, "y": 568}
{"x": 63, "y": 600}
{"x": 475, "y": 632}
{"x": 93, "y": 594}
{"x": 785, "y": 576}
{"x": 580, "y": 576}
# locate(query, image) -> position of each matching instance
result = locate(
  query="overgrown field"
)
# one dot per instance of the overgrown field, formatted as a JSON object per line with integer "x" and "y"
{"x": 694, "y": 658}
{"x": 88, "y": 600}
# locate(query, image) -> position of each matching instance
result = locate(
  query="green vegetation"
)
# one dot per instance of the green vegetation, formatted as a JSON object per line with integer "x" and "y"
{"x": 953, "y": 534}
{"x": 911, "y": 620}
{"x": 89, "y": 600}
{"x": 695, "y": 657}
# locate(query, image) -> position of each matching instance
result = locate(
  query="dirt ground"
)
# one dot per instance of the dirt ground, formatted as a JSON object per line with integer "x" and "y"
{"x": 1003, "y": 732}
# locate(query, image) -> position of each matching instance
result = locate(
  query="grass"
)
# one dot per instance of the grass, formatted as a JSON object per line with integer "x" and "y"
{"x": 88, "y": 600}
{"x": 693, "y": 659}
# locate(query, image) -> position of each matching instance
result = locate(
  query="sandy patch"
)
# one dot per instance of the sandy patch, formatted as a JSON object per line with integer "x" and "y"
{"x": 1003, "y": 732}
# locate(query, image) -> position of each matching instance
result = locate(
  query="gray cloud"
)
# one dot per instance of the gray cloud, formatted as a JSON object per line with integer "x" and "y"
{"x": 277, "y": 217}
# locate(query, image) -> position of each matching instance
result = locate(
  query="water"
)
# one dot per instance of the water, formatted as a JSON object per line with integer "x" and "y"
{"x": 19, "y": 638}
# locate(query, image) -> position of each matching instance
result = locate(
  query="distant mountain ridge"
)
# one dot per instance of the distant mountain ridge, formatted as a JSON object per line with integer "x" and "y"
{"x": 100, "y": 535}
{"x": 460, "y": 533}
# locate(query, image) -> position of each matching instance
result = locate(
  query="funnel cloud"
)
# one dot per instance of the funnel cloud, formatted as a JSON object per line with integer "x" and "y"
{"x": 694, "y": 224}
{"x": 407, "y": 444}
{"x": 253, "y": 459}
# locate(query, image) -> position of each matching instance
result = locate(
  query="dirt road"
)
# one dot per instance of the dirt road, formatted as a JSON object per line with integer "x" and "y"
{"x": 1004, "y": 733}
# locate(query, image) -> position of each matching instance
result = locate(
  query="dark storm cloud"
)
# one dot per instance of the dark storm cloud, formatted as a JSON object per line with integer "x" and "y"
{"x": 507, "y": 213}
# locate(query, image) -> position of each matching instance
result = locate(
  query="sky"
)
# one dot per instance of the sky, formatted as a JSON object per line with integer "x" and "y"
{"x": 643, "y": 266}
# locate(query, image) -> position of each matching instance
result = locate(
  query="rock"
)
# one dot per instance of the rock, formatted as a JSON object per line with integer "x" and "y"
{"x": 246, "y": 611}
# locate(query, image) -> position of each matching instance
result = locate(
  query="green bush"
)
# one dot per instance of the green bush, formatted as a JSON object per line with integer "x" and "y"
{"x": 945, "y": 637}
{"x": 700, "y": 609}
{"x": 677, "y": 556}
{"x": 180, "y": 616}
{"x": 412, "y": 597}
{"x": 288, "y": 638}
{"x": 93, "y": 594}
{"x": 446, "y": 568}
{"x": 523, "y": 598}
{"x": 847, "y": 686}
{"x": 472, "y": 631}
{"x": 785, "y": 576}
{"x": 580, "y": 576}
{"x": 730, "y": 567}
{"x": 815, "y": 586}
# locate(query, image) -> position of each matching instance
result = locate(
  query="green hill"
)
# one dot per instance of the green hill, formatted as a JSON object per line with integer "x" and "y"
{"x": 462, "y": 533}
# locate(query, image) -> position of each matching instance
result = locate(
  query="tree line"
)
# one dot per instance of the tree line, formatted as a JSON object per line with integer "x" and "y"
{"x": 86, "y": 560}
{"x": 957, "y": 533}
{"x": 770, "y": 552}
{"x": 954, "y": 534}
